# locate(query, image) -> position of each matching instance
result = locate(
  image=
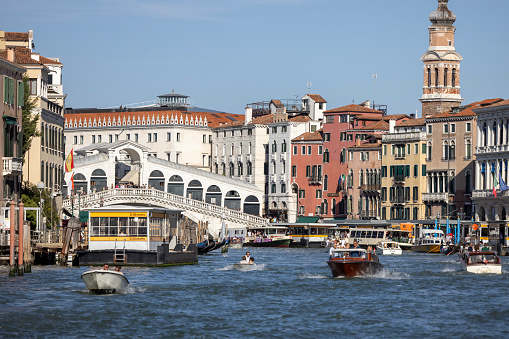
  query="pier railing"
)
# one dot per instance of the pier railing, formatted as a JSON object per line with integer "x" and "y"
{"x": 160, "y": 198}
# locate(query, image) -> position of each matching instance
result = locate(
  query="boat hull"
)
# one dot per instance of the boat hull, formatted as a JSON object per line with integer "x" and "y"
{"x": 350, "y": 268}
{"x": 387, "y": 251}
{"x": 483, "y": 268}
{"x": 104, "y": 281}
{"x": 273, "y": 243}
{"x": 426, "y": 248}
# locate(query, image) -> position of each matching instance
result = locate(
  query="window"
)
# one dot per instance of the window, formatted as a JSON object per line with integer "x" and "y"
{"x": 127, "y": 137}
{"x": 423, "y": 172}
{"x": 283, "y": 146}
{"x": 326, "y": 156}
{"x": 284, "y": 129}
{"x": 116, "y": 137}
{"x": 93, "y": 139}
{"x": 168, "y": 136}
{"x": 320, "y": 150}
{"x": 273, "y": 188}
{"x": 453, "y": 128}
{"x": 351, "y": 155}
{"x": 416, "y": 148}
{"x": 385, "y": 149}
{"x": 393, "y": 148}
{"x": 204, "y": 138}
{"x": 149, "y": 137}
{"x": 325, "y": 182}
{"x": 178, "y": 136}
{"x": 233, "y": 133}
{"x": 295, "y": 150}
{"x": 329, "y": 119}
{"x": 136, "y": 137}
{"x": 110, "y": 138}
{"x": 303, "y": 150}
{"x": 453, "y": 80}
{"x": 429, "y": 77}
{"x": 319, "y": 194}
{"x": 384, "y": 171}
{"x": 302, "y": 194}
{"x": 416, "y": 170}
{"x": 468, "y": 149}
{"x": 81, "y": 139}
{"x": 446, "y": 128}
{"x": 384, "y": 193}
{"x": 308, "y": 171}
{"x": 283, "y": 188}
{"x": 430, "y": 129}
{"x": 468, "y": 127}
{"x": 294, "y": 171}
{"x": 274, "y": 130}
{"x": 326, "y": 137}
{"x": 309, "y": 150}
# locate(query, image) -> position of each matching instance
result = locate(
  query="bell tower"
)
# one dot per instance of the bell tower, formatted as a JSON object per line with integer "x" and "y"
{"x": 441, "y": 87}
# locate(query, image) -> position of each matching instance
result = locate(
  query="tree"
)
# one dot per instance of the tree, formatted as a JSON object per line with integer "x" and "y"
{"x": 30, "y": 196}
{"x": 29, "y": 120}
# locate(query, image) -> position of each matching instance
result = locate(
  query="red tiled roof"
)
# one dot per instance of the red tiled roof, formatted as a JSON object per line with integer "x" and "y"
{"x": 368, "y": 145}
{"x": 23, "y": 56}
{"x": 499, "y": 103}
{"x": 310, "y": 136}
{"x": 16, "y": 36}
{"x": 316, "y": 97}
{"x": 213, "y": 119}
{"x": 277, "y": 103}
{"x": 412, "y": 122}
{"x": 300, "y": 118}
{"x": 45, "y": 61}
{"x": 467, "y": 110}
{"x": 395, "y": 117}
{"x": 353, "y": 108}
{"x": 377, "y": 125}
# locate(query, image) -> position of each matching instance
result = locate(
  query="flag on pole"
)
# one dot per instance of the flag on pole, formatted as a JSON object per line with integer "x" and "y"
{"x": 72, "y": 182}
{"x": 69, "y": 162}
{"x": 339, "y": 180}
{"x": 495, "y": 183}
{"x": 503, "y": 186}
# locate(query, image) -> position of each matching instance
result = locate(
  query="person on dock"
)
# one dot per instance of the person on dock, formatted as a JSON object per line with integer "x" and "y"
{"x": 118, "y": 268}
{"x": 105, "y": 267}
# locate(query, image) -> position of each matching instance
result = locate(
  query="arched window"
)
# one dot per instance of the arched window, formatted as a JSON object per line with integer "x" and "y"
{"x": 429, "y": 77}
{"x": 453, "y": 77}
{"x": 430, "y": 149}
{"x": 326, "y": 183}
{"x": 468, "y": 149}
{"x": 494, "y": 129}
{"x": 232, "y": 169}
{"x": 333, "y": 207}
{"x": 436, "y": 77}
{"x": 468, "y": 185}
{"x": 361, "y": 178}
{"x": 452, "y": 151}
{"x": 445, "y": 77}
{"x": 283, "y": 147}
{"x": 233, "y": 149}
{"x": 176, "y": 185}
{"x": 326, "y": 156}
{"x": 485, "y": 135}
{"x": 445, "y": 154}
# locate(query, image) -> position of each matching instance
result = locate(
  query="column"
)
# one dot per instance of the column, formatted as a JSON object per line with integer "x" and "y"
{"x": 477, "y": 184}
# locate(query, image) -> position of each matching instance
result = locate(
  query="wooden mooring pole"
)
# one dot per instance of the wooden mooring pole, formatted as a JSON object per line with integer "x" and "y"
{"x": 12, "y": 237}
{"x": 21, "y": 269}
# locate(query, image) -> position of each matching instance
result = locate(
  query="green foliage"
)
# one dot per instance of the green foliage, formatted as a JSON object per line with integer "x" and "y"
{"x": 30, "y": 196}
{"x": 29, "y": 121}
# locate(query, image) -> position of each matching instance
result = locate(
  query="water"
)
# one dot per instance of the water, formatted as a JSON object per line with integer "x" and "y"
{"x": 290, "y": 293}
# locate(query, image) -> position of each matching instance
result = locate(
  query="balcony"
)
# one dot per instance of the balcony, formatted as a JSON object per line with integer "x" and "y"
{"x": 399, "y": 156}
{"x": 369, "y": 214}
{"x": 489, "y": 194}
{"x": 491, "y": 149}
{"x": 282, "y": 177}
{"x": 400, "y": 200}
{"x": 399, "y": 179}
{"x": 371, "y": 187}
{"x": 273, "y": 156}
{"x": 249, "y": 157}
{"x": 435, "y": 196}
{"x": 403, "y": 137}
{"x": 12, "y": 166}
{"x": 283, "y": 156}
{"x": 239, "y": 158}
{"x": 272, "y": 178}
{"x": 315, "y": 179}
{"x": 230, "y": 158}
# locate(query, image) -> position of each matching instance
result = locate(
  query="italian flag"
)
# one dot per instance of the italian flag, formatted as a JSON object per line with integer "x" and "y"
{"x": 495, "y": 183}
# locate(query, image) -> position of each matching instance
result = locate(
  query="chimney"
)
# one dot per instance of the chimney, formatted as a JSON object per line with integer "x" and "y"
{"x": 35, "y": 56}
{"x": 392, "y": 124}
{"x": 248, "y": 115}
{"x": 10, "y": 54}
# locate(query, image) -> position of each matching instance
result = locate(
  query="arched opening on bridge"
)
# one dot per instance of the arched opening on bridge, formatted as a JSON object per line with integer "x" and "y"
{"x": 127, "y": 167}
{"x": 252, "y": 205}
{"x": 195, "y": 190}
{"x": 232, "y": 200}
{"x": 176, "y": 185}
{"x": 213, "y": 195}
{"x": 80, "y": 183}
{"x": 156, "y": 180}
{"x": 98, "y": 180}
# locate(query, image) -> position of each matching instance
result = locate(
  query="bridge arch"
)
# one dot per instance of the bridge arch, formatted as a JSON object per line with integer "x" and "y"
{"x": 214, "y": 195}
{"x": 232, "y": 200}
{"x": 176, "y": 185}
{"x": 80, "y": 183}
{"x": 252, "y": 205}
{"x": 98, "y": 180}
{"x": 156, "y": 180}
{"x": 195, "y": 190}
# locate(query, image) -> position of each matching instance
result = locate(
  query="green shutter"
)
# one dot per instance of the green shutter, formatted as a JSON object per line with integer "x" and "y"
{"x": 423, "y": 148}
{"x": 391, "y": 171}
{"x": 6, "y": 89}
{"x": 407, "y": 171}
{"x": 21, "y": 93}
{"x": 423, "y": 170}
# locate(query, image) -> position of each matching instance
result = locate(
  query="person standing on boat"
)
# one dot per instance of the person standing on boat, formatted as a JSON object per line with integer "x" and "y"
{"x": 248, "y": 256}
{"x": 331, "y": 251}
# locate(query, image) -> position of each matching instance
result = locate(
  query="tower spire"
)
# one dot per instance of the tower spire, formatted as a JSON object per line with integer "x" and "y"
{"x": 441, "y": 88}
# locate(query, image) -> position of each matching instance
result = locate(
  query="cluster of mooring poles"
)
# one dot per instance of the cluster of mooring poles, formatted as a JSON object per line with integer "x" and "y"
{"x": 23, "y": 263}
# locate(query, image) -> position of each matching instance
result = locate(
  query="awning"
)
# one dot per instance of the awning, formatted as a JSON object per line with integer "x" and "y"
{"x": 307, "y": 220}
{"x": 10, "y": 120}
{"x": 133, "y": 176}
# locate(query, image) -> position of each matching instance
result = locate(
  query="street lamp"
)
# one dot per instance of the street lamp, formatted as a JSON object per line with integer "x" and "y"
{"x": 40, "y": 186}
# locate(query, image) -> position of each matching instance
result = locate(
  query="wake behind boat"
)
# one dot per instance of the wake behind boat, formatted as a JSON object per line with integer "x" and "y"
{"x": 351, "y": 262}
{"x": 102, "y": 281}
{"x": 481, "y": 262}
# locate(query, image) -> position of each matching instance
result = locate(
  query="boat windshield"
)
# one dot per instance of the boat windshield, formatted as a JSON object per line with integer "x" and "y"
{"x": 349, "y": 254}
{"x": 483, "y": 258}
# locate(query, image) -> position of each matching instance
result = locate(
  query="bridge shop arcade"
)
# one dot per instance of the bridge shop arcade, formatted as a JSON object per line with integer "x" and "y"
{"x": 135, "y": 235}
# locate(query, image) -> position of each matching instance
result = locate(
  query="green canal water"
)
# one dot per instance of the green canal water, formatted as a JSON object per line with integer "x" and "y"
{"x": 290, "y": 294}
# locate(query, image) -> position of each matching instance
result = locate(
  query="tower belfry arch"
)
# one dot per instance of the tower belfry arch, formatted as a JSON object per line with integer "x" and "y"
{"x": 441, "y": 64}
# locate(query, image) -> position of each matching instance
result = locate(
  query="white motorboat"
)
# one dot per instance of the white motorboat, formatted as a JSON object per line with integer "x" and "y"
{"x": 388, "y": 247}
{"x": 481, "y": 262}
{"x": 100, "y": 281}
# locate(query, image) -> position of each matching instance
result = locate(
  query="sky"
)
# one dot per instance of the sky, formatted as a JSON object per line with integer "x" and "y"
{"x": 225, "y": 54}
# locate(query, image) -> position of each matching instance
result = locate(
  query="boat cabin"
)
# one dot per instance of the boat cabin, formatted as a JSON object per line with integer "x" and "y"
{"x": 343, "y": 253}
{"x": 372, "y": 236}
{"x": 132, "y": 227}
{"x": 267, "y": 232}
{"x": 431, "y": 237}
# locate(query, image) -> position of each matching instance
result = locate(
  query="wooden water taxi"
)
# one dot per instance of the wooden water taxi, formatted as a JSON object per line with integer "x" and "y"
{"x": 351, "y": 262}
{"x": 481, "y": 262}
{"x": 429, "y": 241}
{"x": 388, "y": 247}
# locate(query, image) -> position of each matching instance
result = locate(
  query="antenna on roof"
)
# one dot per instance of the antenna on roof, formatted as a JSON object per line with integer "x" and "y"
{"x": 375, "y": 76}
{"x": 309, "y": 84}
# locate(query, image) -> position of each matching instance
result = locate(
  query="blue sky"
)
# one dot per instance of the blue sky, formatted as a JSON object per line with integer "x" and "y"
{"x": 227, "y": 53}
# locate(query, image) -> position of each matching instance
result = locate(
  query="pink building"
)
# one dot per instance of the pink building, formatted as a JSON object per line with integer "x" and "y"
{"x": 306, "y": 173}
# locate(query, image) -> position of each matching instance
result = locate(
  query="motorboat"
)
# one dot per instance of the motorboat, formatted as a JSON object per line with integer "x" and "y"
{"x": 388, "y": 247}
{"x": 101, "y": 281}
{"x": 235, "y": 243}
{"x": 267, "y": 236}
{"x": 243, "y": 266}
{"x": 481, "y": 262}
{"x": 429, "y": 241}
{"x": 351, "y": 262}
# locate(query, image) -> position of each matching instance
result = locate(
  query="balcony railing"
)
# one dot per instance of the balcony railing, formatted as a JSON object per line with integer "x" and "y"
{"x": 12, "y": 166}
{"x": 399, "y": 156}
{"x": 249, "y": 157}
{"x": 400, "y": 200}
{"x": 399, "y": 178}
{"x": 283, "y": 156}
{"x": 491, "y": 149}
{"x": 369, "y": 214}
{"x": 403, "y": 136}
{"x": 371, "y": 187}
{"x": 489, "y": 194}
{"x": 282, "y": 177}
{"x": 315, "y": 179}
{"x": 443, "y": 196}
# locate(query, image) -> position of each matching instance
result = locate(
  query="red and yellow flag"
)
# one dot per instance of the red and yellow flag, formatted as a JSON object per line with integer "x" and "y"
{"x": 69, "y": 162}
{"x": 72, "y": 182}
